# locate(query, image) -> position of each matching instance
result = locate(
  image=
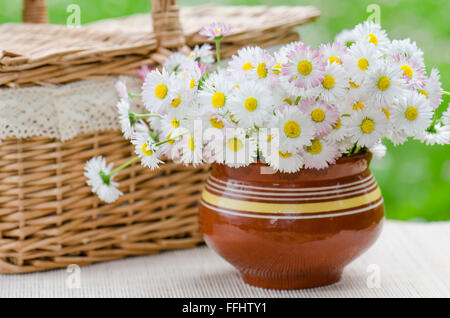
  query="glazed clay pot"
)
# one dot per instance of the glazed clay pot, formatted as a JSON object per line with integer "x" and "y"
{"x": 289, "y": 231}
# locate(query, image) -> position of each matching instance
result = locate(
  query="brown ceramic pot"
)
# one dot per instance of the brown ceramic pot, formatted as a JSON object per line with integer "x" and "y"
{"x": 289, "y": 231}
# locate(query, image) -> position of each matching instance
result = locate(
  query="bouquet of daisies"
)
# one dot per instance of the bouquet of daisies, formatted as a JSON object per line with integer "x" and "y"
{"x": 294, "y": 109}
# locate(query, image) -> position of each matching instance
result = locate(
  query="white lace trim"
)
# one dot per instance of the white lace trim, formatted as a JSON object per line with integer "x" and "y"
{"x": 63, "y": 112}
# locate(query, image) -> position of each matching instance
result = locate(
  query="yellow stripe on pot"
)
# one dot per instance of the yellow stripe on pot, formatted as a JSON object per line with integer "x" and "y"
{"x": 316, "y": 207}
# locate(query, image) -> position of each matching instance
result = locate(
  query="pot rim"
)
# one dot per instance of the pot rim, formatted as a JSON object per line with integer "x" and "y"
{"x": 345, "y": 166}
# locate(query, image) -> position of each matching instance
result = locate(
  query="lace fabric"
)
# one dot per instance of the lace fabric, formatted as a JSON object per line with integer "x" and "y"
{"x": 65, "y": 111}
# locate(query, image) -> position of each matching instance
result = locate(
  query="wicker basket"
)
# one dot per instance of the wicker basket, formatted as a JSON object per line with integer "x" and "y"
{"x": 48, "y": 216}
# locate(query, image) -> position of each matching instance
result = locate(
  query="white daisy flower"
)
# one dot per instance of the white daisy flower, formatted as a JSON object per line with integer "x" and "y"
{"x": 384, "y": 83}
{"x": 333, "y": 53}
{"x": 413, "y": 72}
{"x": 361, "y": 58}
{"x": 97, "y": 174}
{"x": 182, "y": 102}
{"x": 237, "y": 150}
{"x": 175, "y": 62}
{"x": 216, "y": 92}
{"x": 439, "y": 135}
{"x": 432, "y": 89}
{"x": 244, "y": 64}
{"x": 321, "y": 115}
{"x": 303, "y": 70}
{"x": 412, "y": 113}
{"x": 378, "y": 150}
{"x": 396, "y": 134}
{"x": 446, "y": 116}
{"x": 287, "y": 162}
{"x": 192, "y": 150}
{"x": 320, "y": 154}
{"x": 372, "y": 33}
{"x": 338, "y": 131}
{"x": 281, "y": 97}
{"x": 202, "y": 54}
{"x": 408, "y": 49}
{"x": 345, "y": 145}
{"x": 251, "y": 104}
{"x": 355, "y": 100}
{"x": 295, "y": 129}
{"x": 346, "y": 38}
{"x": 157, "y": 91}
{"x": 145, "y": 147}
{"x": 334, "y": 84}
{"x": 366, "y": 127}
{"x": 125, "y": 118}
{"x": 173, "y": 125}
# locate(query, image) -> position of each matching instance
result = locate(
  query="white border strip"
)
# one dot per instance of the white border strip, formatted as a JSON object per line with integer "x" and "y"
{"x": 268, "y": 198}
{"x": 257, "y": 216}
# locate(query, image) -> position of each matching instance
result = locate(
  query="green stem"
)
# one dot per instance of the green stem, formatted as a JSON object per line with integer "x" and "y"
{"x": 170, "y": 139}
{"x": 217, "y": 40}
{"x": 126, "y": 164}
{"x": 131, "y": 95}
{"x": 146, "y": 115}
{"x": 445, "y": 93}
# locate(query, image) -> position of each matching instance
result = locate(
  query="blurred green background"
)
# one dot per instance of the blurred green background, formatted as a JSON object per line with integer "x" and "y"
{"x": 415, "y": 179}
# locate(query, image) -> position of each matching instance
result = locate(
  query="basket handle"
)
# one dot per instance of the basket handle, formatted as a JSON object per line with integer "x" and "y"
{"x": 165, "y": 15}
{"x": 166, "y": 24}
{"x": 34, "y": 11}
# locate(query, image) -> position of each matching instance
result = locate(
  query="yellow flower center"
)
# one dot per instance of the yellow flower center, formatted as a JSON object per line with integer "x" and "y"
{"x": 192, "y": 83}
{"x": 234, "y": 144}
{"x": 337, "y": 125}
{"x": 261, "y": 70}
{"x": 161, "y": 91}
{"x": 216, "y": 123}
{"x": 287, "y": 100}
{"x": 175, "y": 123}
{"x": 334, "y": 59}
{"x": 318, "y": 115}
{"x": 328, "y": 81}
{"x": 145, "y": 151}
{"x": 190, "y": 142}
{"x": 383, "y": 83}
{"x": 304, "y": 67}
{"x": 233, "y": 119}
{"x": 269, "y": 138}
{"x": 175, "y": 102}
{"x": 284, "y": 155}
{"x": 218, "y": 100}
{"x": 372, "y": 38}
{"x": 411, "y": 113}
{"x": 251, "y": 104}
{"x": 292, "y": 129}
{"x": 367, "y": 126}
{"x": 386, "y": 112}
{"x": 218, "y": 31}
{"x": 358, "y": 106}
{"x": 407, "y": 70}
{"x": 363, "y": 64}
{"x": 315, "y": 148}
{"x": 247, "y": 66}
{"x": 352, "y": 84}
{"x": 424, "y": 92}
{"x": 168, "y": 137}
{"x": 277, "y": 69}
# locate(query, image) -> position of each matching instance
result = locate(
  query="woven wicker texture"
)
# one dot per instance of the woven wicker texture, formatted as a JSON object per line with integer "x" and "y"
{"x": 49, "y": 217}
{"x": 61, "y": 54}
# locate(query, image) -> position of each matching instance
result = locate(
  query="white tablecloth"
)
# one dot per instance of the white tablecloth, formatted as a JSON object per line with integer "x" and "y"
{"x": 408, "y": 260}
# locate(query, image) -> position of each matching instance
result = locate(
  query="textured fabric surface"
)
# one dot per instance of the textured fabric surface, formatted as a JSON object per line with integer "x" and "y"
{"x": 412, "y": 259}
{"x": 62, "y": 112}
